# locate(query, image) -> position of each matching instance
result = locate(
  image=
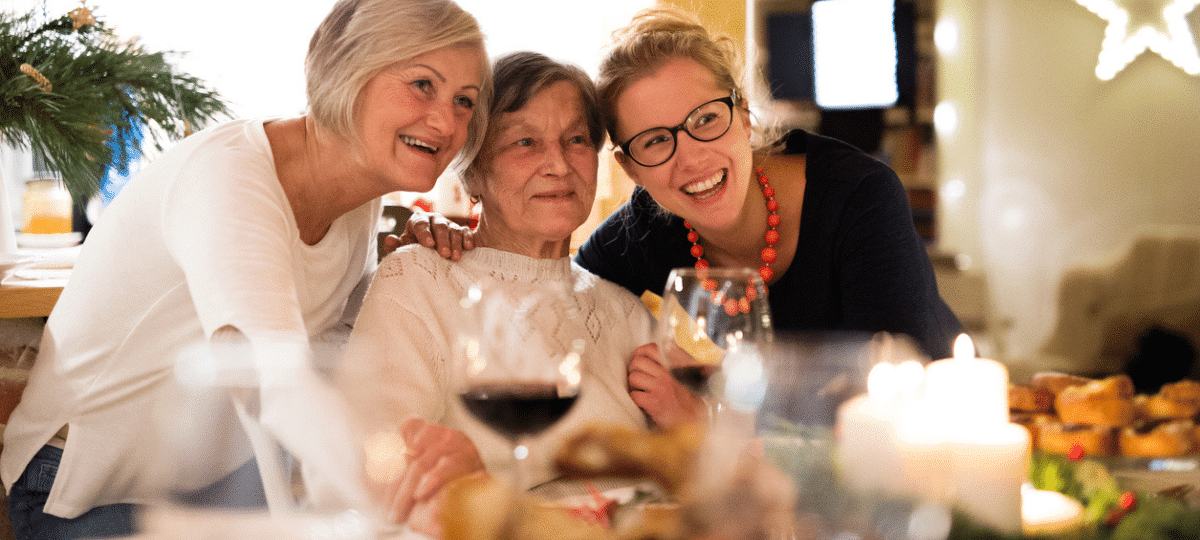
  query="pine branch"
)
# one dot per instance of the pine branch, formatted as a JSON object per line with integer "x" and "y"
{"x": 82, "y": 87}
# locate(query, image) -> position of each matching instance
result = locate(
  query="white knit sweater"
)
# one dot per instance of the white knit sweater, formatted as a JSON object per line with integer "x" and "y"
{"x": 397, "y": 363}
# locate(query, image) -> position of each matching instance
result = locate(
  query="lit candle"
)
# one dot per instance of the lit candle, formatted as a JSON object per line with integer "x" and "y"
{"x": 988, "y": 455}
{"x": 867, "y": 446}
{"x": 968, "y": 390}
{"x": 1048, "y": 513}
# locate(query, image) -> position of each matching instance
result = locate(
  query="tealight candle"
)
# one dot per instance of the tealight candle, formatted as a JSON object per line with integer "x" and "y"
{"x": 1048, "y": 513}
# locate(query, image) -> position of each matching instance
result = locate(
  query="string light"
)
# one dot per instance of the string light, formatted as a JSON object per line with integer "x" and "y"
{"x": 1123, "y": 41}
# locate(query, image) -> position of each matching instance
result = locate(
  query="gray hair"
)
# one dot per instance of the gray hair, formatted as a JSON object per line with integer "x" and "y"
{"x": 359, "y": 38}
{"x": 518, "y": 77}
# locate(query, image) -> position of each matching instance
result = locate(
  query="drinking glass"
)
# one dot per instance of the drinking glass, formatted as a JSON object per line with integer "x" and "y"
{"x": 520, "y": 363}
{"x": 715, "y": 334}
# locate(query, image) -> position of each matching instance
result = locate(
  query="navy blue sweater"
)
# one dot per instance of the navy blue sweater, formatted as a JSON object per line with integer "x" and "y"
{"x": 860, "y": 265}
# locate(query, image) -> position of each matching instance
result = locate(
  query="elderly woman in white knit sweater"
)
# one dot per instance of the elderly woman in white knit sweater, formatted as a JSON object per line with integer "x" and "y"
{"x": 536, "y": 179}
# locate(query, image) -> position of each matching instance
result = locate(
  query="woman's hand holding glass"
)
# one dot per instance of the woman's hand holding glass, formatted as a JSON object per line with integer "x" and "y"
{"x": 655, "y": 391}
{"x": 714, "y": 334}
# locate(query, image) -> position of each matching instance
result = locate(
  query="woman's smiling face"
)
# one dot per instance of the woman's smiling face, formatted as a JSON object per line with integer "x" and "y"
{"x": 542, "y": 178}
{"x": 413, "y": 115}
{"x": 704, "y": 182}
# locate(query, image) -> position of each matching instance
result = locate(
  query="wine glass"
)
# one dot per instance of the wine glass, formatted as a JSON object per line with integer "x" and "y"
{"x": 520, "y": 363}
{"x": 714, "y": 334}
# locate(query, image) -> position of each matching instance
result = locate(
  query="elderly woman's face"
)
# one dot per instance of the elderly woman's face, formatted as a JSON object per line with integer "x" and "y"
{"x": 543, "y": 169}
{"x": 413, "y": 115}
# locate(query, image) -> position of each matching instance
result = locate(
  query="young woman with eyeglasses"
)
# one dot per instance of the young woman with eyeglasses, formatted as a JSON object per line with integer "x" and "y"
{"x": 828, "y": 227}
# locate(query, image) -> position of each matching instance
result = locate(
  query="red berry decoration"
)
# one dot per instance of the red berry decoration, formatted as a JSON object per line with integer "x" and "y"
{"x": 768, "y": 255}
{"x": 773, "y": 205}
{"x": 693, "y": 237}
{"x": 771, "y": 237}
{"x": 697, "y": 251}
{"x": 773, "y": 220}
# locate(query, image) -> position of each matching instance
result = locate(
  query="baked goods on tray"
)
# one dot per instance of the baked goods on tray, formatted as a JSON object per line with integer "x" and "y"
{"x": 479, "y": 508}
{"x": 1105, "y": 417}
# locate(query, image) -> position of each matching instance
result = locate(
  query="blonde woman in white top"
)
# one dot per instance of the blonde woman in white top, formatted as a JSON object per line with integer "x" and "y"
{"x": 253, "y": 232}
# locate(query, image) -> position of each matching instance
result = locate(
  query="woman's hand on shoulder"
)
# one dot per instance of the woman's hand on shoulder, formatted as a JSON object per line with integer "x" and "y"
{"x": 434, "y": 231}
{"x": 655, "y": 391}
{"x": 436, "y": 456}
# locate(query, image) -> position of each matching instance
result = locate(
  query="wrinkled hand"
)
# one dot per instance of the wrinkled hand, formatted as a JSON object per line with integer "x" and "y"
{"x": 436, "y": 456}
{"x": 433, "y": 230}
{"x": 656, "y": 392}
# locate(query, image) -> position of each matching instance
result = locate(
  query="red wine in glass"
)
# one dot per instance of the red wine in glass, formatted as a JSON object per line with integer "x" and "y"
{"x": 694, "y": 377}
{"x": 517, "y": 409}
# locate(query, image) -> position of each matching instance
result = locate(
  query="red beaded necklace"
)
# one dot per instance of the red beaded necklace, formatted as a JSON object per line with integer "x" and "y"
{"x": 772, "y": 236}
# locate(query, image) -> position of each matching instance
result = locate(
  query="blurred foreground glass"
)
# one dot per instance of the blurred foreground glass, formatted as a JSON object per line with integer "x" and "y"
{"x": 811, "y": 376}
{"x": 715, "y": 335}
{"x": 217, "y": 468}
{"x": 519, "y": 362}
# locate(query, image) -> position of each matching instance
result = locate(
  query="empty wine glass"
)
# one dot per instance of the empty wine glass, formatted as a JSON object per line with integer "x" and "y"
{"x": 520, "y": 363}
{"x": 715, "y": 333}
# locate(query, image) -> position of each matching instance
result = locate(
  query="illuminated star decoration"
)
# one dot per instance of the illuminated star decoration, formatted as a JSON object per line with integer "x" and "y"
{"x": 1137, "y": 25}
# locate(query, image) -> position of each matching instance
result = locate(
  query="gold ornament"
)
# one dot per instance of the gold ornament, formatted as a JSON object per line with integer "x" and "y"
{"x": 81, "y": 16}
{"x": 36, "y": 75}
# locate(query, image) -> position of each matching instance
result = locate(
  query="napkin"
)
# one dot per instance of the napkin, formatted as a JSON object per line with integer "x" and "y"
{"x": 696, "y": 344}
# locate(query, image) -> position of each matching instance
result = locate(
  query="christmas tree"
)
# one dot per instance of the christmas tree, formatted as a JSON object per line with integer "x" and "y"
{"x": 76, "y": 95}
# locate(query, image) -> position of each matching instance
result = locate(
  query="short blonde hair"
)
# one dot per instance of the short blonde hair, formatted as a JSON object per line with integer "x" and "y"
{"x": 359, "y": 38}
{"x": 657, "y": 35}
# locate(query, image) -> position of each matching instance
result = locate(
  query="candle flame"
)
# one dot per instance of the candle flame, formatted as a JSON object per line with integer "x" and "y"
{"x": 881, "y": 381}
{"x": 910, "y": 374}
{"x": 963, "y": 347}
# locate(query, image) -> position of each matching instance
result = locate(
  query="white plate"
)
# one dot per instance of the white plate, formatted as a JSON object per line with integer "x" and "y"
{"x": 10, "y": 262}
{"x": 56, "y": 240}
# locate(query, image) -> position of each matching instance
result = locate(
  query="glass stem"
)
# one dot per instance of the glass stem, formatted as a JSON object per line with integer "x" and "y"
{"x": 520, "y": 463}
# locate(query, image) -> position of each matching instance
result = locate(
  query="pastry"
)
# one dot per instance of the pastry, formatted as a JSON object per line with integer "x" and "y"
{"x": 1055, "y": 382}
{"x": 1032, "y": 422}
{"x": 1105, "y": 402}
{"x": 1060, "y": 438}
{"x": 1169, "y": 439}
{"x": 1160, "y": 407}
{"x": 1027, "y": 398}
{"x": 609, "y": 451}
{"x": 1186, "y": 392}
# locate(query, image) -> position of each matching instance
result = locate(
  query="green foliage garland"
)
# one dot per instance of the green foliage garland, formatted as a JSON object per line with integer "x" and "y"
{"x": 70, "y": 85}
{"x": 1154, "y": 516}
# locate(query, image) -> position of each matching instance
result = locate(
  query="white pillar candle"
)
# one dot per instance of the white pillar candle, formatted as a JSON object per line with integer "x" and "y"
{"x": 866, "y": 425}
{"x": 988, "y": 455}
{"x": 987, "y": 468}
{"x": 866, "y": 446}
{"x": 968, "y": 390}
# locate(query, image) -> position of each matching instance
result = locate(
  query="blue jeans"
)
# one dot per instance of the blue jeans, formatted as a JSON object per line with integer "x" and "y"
{"x": 27, "y": 499}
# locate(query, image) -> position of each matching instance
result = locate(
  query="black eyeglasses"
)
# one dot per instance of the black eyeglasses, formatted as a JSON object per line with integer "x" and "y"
{"x": 655, "y": 146}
